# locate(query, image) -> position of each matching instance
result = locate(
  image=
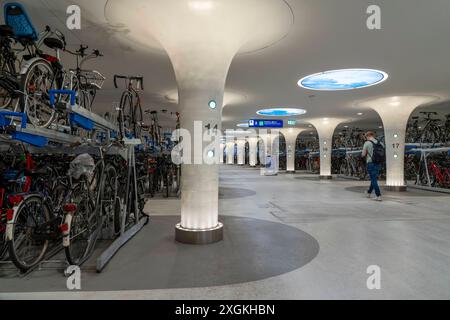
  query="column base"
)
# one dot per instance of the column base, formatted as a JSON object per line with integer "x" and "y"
{"x": 325, "y": 177}
{"x": 199, "y": 237}
{"x": 396, "y": 188}
{"x": 290, "y": 171}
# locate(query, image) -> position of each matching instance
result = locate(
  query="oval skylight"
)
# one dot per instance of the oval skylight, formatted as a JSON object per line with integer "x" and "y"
{"x": 281, "y": 112}
{"x": 345, "y": 79}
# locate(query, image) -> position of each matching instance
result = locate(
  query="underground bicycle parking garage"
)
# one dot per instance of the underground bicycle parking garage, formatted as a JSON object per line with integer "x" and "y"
{"x": 224, "y": 150}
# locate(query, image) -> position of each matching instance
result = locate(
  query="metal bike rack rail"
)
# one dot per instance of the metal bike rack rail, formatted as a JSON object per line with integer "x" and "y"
{"x": 424, "y": 158}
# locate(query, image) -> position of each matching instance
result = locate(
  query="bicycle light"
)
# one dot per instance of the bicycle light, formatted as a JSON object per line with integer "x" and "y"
{"x": 15, "y": 199}
{"x": 64, "y": 227}
{"x": 70, "y": 207}
{"x": 9, "y": 214}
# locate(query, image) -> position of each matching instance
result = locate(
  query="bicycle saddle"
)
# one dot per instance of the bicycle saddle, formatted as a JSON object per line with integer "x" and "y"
{"x": 54, "y": 43}
{"x": 6, "y": 31}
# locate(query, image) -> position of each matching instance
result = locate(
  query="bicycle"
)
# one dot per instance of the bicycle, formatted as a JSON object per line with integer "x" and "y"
{"x": 130, "y": 117}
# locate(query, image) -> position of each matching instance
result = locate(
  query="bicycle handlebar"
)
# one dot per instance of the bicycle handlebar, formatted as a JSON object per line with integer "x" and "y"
{"x": 139, "y": 80}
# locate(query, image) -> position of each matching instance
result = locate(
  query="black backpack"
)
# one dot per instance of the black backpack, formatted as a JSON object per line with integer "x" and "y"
{"x": 379, "y": 154}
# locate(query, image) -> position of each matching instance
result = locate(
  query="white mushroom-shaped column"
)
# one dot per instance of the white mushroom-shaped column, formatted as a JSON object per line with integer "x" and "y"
{"x": 240, "y": 143}
{"x": 271, "y": 147}
{"x": 230, "y": 152}
{"x": 290, "y": 136}
{"x": 325, "y": 128}
{"x": 201, "y": 38}
{"x": 222, "y": 147}
{"x": 395, "y": 112}
{"x": 253, "y": 150}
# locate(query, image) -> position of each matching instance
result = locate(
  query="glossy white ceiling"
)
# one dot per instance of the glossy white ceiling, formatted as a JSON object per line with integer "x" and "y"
{"x": 413, "y": 47}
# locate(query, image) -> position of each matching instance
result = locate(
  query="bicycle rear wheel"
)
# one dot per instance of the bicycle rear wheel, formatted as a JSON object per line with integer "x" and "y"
{"x": 36, "y": 83}
{"x": 126, "y": 114}
{"x": 5, "y": 94}
{"x": 84, "y": 226}
{"x": 29, "y": 243}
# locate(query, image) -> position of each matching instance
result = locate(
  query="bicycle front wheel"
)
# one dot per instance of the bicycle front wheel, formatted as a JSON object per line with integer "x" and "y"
{"x": 83, "y": 228}
{"x": 29, "y": 243}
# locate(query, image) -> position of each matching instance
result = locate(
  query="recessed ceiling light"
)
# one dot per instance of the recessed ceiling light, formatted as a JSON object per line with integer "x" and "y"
{"x": 281, "y": 112}
{"x": 201, "y": 5}
{"x": 360, "y": 113}
{"x": 212, "y": 104}
{"x": 380, "y": 127}
{"x": 344, "y": 79}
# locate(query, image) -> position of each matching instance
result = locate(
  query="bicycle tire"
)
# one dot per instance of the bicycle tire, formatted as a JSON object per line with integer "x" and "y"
{"x": 125, "y": 114}
{"x": 84, "y": 226}
{"x": 5, "y": 94}
{"x": 20, "y": 228}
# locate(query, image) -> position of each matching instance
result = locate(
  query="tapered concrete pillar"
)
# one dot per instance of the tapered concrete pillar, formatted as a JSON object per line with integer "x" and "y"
{"x": 271, "y": 147}
{"x": 252, "y": 148}
{"x": 325, "y": 128}
{"x": 201, "y": 38}
{"x": 230, "y": 152}
{"x": 395, "y": 112}
{"x": 290, "y": 135}
{"x": 222, "y": 147}
{"x": 240, "y": 151}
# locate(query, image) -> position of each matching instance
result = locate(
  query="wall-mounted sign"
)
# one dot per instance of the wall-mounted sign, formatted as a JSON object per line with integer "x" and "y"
{"x": 265, "y": 123}
{"x": 292, "y": 122}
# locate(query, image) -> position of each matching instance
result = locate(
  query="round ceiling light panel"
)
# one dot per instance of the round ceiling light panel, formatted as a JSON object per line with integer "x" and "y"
{"x": 344, "y": 79}
{"x": 281, "y": 112}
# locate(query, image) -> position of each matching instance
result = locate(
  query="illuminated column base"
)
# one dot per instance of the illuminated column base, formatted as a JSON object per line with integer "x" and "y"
{"x": 205, "y": 236}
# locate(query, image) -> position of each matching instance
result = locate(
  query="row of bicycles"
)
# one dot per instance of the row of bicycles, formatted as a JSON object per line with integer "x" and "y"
{"x": 52, "y": 201}
{"x": 430, "y": 128}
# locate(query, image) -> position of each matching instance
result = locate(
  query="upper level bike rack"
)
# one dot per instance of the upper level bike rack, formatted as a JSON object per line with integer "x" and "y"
{"x": 15, "y": 126}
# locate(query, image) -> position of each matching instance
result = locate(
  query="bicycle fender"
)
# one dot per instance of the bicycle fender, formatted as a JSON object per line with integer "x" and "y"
{"x": 28, "y": 63}
{"x": 68, "y": 222}
{"x": 10, "y": 223}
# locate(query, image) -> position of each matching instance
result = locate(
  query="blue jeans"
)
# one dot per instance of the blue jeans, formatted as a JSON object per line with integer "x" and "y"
{"x": 374, "y": 171}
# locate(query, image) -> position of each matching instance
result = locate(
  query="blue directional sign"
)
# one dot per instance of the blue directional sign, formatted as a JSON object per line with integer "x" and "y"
{"x": 255, "y": 123}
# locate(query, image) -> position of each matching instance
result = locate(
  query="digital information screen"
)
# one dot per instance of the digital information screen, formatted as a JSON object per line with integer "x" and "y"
{"x": 265, "y": 123}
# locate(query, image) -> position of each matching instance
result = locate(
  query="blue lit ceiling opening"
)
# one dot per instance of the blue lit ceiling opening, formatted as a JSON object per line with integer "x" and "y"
{"x": 281, "y": 112}
{"x": 345, "y": 79}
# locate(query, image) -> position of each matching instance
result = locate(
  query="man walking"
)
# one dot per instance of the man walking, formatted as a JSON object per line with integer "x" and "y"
{"x": 374, "y": 153}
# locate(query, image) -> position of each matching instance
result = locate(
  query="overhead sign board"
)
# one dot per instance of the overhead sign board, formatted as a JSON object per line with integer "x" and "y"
{"x": 265, "y": 123}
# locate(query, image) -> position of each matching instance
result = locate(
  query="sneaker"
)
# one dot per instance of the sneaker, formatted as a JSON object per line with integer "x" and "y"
{"x": 368, "y": 195}
{"x": 378, "y": 199}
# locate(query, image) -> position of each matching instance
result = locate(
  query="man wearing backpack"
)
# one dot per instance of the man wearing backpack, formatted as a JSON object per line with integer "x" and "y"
{"x": 374, "y": 153}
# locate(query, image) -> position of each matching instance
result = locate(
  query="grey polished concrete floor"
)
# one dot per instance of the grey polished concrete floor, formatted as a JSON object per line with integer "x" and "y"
{"x": 406, "y": 235}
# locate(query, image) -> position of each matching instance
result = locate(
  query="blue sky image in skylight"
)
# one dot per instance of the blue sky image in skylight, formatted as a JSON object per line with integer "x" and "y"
{"x": 281, "y": 112}
{"x": 346, "y": 79}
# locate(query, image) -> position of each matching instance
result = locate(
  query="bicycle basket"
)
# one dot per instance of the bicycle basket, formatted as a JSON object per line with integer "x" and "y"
{"x": 91, "y": 79}
{"x": 83, "y": 164}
